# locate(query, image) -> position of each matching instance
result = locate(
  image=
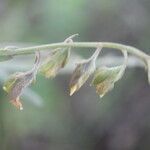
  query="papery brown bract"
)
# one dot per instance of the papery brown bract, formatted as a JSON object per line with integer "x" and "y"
{"x": 82, "y": 72}
{"x": 17, "y": 82}
{"x": 80, "y": 75}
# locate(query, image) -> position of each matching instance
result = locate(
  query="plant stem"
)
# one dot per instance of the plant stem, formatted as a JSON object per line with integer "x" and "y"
{"x": 95, "y": 54}
{"x": 117, "y": 46}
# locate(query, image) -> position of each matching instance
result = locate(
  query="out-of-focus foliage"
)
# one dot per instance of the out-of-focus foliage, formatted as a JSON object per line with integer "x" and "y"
{"x": 119, "y": 121}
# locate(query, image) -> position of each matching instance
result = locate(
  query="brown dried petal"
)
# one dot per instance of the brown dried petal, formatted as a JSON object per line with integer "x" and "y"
{"x": 82, "y": 72}
{"x": 18, "y": 82}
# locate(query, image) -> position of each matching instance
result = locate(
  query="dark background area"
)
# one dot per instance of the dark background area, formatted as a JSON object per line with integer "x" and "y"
{"x": 120, "y": 121}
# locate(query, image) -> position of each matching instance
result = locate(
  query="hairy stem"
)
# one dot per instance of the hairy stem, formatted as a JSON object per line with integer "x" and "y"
{"x": 30, "y": 50}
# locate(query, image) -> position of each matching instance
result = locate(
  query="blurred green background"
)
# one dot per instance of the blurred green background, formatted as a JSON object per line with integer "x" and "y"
{"x": 120, "y": 121}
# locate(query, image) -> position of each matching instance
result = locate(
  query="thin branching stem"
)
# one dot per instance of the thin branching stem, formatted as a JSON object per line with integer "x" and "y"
{"x": 30, "y": 50}
{"x": 81, "y": 73}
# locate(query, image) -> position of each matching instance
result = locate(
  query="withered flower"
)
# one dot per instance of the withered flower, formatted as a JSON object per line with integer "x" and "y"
{"x": 56, "y": 60}
{"x": 19, "y": 81}
{"x": 82, "y": 72}
{"x": 105, "y": 77}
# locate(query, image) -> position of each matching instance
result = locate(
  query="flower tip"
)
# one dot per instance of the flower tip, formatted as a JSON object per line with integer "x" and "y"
{"x": 17, "y": 104}
{"x": 102, "y": 95}
{"x": 73, "y": 89}
{"x": 4, "y": 88}
{"x": 21, "y": 108}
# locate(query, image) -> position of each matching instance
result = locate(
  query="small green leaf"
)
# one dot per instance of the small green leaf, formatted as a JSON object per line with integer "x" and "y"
{"x": 105, "y": 78}
{"x": 17, "y": 82}
{"x": 54, "y": 62}
{"x": 82, "y": 72}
